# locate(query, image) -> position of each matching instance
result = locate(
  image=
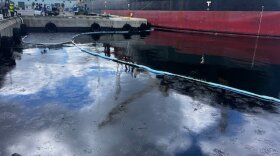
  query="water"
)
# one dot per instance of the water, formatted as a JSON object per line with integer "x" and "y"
{"x": 239, "y": 62}
{"x": 60, "y": 101}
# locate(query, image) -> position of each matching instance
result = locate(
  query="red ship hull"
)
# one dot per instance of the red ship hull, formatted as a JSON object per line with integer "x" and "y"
{"x": 265, "y": 23}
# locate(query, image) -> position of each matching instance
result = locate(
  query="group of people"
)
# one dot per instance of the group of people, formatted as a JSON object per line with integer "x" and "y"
{"x": 39, "y": 6}
{"x": 42, "y": 8}
{"x": 7, "y": 9}
{"x": 46, "y": 9}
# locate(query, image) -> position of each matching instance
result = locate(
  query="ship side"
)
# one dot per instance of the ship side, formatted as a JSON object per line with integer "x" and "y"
{"x": 246, "y": 17}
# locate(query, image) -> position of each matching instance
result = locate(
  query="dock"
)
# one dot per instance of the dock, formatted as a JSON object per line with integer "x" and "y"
{"x": 83, "y": 23}
{"x": 7, "y": 26}
{"x": 12, "y": 29}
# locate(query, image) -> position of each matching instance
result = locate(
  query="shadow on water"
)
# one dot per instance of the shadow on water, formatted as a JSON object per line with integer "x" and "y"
{"x": 121, "y": 107}
{"x": 214, "y": 96}
{"x": 233, "y": 61}
{"x": 219, "y": 97}
{"x": 4, "y": 69}
{"x": 7, "y": 63}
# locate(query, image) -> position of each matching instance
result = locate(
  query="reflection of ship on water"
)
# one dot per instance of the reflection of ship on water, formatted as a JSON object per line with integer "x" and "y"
{"x": 241, "y": 48}
{"x": 263, "y": 50}
{"x": 233, "y": 61}
{"x": 262, "y": 80}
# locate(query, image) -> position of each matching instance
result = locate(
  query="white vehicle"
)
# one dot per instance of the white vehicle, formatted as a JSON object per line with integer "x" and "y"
{"x": 26, "y": 12}
{"x": 37, "y": 13}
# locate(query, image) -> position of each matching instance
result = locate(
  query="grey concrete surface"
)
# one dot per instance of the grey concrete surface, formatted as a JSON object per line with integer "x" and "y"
{"x": 7, "y": 25}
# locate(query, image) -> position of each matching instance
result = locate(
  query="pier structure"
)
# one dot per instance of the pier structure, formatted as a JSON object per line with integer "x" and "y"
{"x": 10, "y": 35}
{"x": 7, "y": 26}
{"x": 83, "y": 23}
{"x": 12, "y": 29}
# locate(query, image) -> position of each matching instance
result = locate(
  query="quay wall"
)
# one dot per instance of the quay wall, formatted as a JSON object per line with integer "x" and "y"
{"x": 80, "y": 23}
{"x": 12, "y": 29}
{"x": 7, "y": 25}
{"x": 10, "y": 35}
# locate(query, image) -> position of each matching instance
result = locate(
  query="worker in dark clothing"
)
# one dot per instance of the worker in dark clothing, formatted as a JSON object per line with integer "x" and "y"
{"x": 44, "y": 10}
{"x": 2, "y": 4}
{"x": 6, "y": 8}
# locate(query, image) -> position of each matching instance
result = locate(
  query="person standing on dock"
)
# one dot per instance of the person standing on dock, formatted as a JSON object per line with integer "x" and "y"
{"x": 6, "y": 8}
{"x": 2, "y": 5}
{"x": 44, "y": 10}
{"x": 12, "y": 9}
